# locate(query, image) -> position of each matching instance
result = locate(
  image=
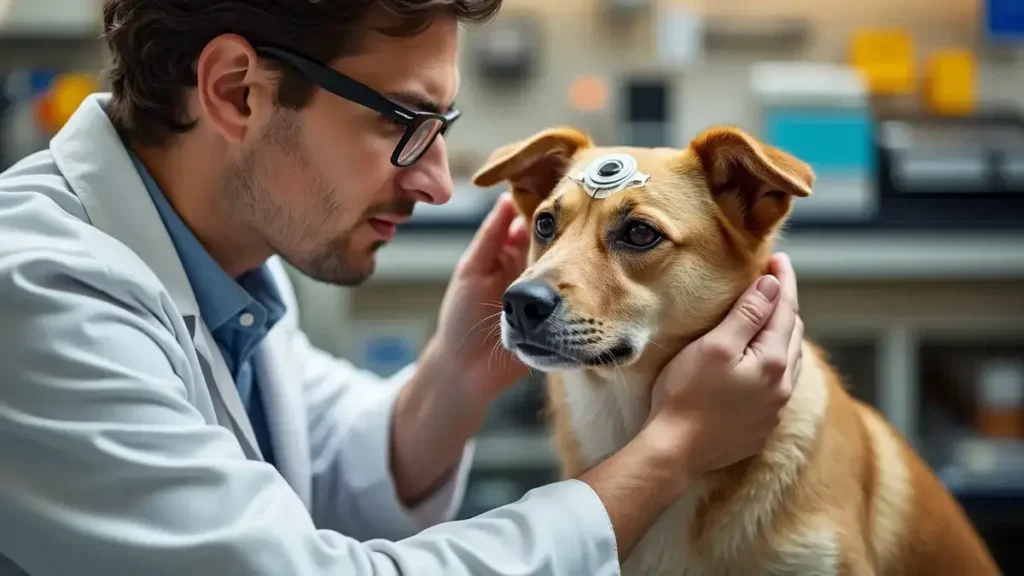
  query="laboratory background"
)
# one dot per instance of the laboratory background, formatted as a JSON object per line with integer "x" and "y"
{"x": 910, "y": 253}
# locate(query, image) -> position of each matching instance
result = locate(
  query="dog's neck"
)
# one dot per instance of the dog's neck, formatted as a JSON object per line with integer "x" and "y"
{"x": 607, "y": 408}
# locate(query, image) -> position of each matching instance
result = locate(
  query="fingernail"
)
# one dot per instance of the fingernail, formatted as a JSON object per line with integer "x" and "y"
{"x": 768, "y": 286}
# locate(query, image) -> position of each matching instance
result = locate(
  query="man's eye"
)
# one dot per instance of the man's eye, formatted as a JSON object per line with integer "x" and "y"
{"x": 392, "y": 122}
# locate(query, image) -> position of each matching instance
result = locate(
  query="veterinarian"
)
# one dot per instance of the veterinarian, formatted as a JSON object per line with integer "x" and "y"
{"x": 161, "y": 411}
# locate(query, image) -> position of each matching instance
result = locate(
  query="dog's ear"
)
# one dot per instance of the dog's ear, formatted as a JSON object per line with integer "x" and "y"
{"x": 533, "y": 166}
{"x": 753, "y": 183}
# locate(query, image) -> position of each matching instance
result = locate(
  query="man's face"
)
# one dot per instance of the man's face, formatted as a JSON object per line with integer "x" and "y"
{"x": 318, "y": 187}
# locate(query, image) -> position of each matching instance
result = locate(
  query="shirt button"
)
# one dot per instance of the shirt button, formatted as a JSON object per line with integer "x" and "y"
{"x": 246, "y": 319}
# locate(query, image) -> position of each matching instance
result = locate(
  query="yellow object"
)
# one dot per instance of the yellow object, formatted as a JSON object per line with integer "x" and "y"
{"x": 950, "y": 85}
{"x": 65, "y": 95}
{"x": 885, "y": 57}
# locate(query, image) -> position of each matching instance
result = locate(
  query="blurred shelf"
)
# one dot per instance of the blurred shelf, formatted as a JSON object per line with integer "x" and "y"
{"x": 431, "y": 256}
{"x": 980, "y": 467}
{"x": 736, "y": 33}
{"x": 28, "y": 19}
{"x": 511, "y": 449}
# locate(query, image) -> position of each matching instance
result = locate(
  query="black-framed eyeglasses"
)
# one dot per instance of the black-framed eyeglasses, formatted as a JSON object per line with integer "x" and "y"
{"x": 421, "y": 128}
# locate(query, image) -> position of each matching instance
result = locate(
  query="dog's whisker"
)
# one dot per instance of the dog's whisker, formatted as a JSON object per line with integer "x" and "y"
{"x": 495, "y": 350}
{"x": 470, "y": 331}
{"x": 618, "y": 369}
{"x": 495, "y": 334}
{"x": 503, "y": 355}
{"x": 494, "y": 329}
{"x": 649, "y": 341}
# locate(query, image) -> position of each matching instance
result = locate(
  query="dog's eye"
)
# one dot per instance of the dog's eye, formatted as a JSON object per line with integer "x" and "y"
{"x": 641, "y": 235}
{"x": 544, "y": 227}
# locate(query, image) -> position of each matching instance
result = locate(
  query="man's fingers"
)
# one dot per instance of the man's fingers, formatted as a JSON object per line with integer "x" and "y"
{"x": 750, "y": 313}
{"x": 771, "y": 345}
{"x": 782, "y": 268}
{"x": 777, "y": 346}
{"x": 796, "y": 343}
{"x": 519, "y": 254}
{"x": 491, "y": 236}
{"x": 513, "y": 262}
{"x": 794, "y": 356}
{"x": 517, "y": 232}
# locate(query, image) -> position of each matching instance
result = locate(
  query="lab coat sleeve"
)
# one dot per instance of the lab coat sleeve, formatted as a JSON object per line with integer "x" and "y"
{"x": 349, "y": 414}
{"x": 108, "y": 468}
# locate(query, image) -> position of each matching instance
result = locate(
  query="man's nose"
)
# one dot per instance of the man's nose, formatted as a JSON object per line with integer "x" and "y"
{"x": 527, "y": 305}
{"x": 429, "y": 179}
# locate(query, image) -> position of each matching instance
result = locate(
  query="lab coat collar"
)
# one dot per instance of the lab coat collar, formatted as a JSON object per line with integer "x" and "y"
{"x": 92, "y": 158}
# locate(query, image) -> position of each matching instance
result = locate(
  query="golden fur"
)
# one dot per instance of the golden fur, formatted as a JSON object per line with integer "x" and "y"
{"x": 836, "y": 490}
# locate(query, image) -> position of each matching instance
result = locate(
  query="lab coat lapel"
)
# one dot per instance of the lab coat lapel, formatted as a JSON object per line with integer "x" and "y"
{"x": 286, "y": 415}
{"x": 92, "y": 158}
{"x": 216, "y": 370}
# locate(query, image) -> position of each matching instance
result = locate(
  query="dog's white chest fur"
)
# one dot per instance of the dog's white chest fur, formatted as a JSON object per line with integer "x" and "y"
{"x": 606, "y": 415}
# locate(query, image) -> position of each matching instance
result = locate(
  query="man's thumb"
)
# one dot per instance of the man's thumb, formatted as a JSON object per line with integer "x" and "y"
{"x": 490, "y": 238}
{"x": 750, "y": 313}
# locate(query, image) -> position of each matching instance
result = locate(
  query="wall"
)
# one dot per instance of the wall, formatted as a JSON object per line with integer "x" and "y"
{"x": 576, "y": 40}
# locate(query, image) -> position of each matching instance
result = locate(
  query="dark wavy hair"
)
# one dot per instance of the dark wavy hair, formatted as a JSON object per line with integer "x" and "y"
{"x": 154, "y": 45}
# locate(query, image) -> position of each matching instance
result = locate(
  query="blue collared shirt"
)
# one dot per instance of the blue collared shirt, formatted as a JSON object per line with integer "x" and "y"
{"x": 239, "y": 312}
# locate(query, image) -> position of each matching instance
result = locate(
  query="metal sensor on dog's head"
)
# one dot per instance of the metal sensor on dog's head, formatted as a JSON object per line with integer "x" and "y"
{"x": 609, "y": 168}
{"x": 610, "y": 174}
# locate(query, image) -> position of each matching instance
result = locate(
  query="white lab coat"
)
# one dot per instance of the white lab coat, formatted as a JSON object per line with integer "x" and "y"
{"x": 124, "y": 447}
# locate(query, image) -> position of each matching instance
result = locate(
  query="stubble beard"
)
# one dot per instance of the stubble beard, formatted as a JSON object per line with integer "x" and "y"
{"x": 289, "y": 233}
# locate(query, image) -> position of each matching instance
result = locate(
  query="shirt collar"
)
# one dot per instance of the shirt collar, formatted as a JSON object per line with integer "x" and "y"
{"x": 219, "y": 296}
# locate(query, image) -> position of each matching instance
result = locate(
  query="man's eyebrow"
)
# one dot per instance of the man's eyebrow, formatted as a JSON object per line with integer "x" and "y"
{"x": 417, "y": 101}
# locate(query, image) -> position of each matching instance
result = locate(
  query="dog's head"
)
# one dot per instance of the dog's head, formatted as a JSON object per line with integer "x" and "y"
{"x": 646, "y": 269}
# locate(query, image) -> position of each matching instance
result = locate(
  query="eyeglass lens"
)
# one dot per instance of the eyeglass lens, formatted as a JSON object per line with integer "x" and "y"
{"x": 420, "y": 140}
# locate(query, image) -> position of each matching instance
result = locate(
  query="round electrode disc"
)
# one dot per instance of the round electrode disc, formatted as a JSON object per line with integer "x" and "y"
{"x": 610, "y": 171}
{"x": 610, "y": 174}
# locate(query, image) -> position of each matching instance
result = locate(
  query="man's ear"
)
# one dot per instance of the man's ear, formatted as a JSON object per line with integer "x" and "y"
{"x": 533, "y": 166}
{"x": 752, "y": 182}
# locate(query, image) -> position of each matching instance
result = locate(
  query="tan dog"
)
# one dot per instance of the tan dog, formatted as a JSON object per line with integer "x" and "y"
{"x": 620, "y": 280}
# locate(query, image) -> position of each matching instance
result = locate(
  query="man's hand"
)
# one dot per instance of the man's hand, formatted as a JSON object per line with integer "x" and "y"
{"x": 468, "y": 339}
{"x": 741, "y": 372}
{"x": 463, "y": 368}
{"x": 714, "y": 404}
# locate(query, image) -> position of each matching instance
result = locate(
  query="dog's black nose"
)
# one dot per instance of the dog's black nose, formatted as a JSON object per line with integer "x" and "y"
{"x": 528, "y": 304}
